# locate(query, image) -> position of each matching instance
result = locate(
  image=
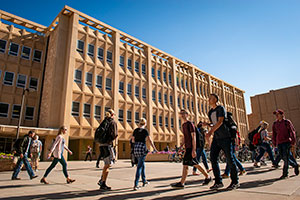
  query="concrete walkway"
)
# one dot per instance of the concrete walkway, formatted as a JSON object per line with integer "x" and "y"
{"x": 259, "y": 183}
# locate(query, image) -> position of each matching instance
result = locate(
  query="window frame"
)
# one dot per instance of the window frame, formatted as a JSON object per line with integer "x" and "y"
{"x": 34, "y": 58}
{"x": 20, "y": 85}
{"x": 86, "y": 115}
{"x": 109, "y": 88}
{"x": 8, "y": 107}
{"x": 26, "y": 116}
{"x": 10, "y": 52}
{"x": 77, "y": 48}
{"x": 144, "y": 69}
{"x": 137, "y": 66}
{"x": 91, "y": 54}
{"x": 3, "y": 50}
{"x": 121, "y": 119}
{"x": 14, "y": 116}
{"x": 137, "y": 91}
{"x": 121, "y": 90}
{"x": 37, "y": 83}
{"x": 97, "y": 116}
{"x": 25, "y": 57}
{"x": 5, "y": 82}
{"x": 108, "y": 59}
{"x": 73, "y": 113}
{"x": 88, "y": 83}
{"x": 129, "y": 120}
{"x": 99, "y": 86}
{"x": 75, "y": 78}
{"x": 122, "y": 63}
{"x": 99, "y": 56}
{"x": 129, "y": 85}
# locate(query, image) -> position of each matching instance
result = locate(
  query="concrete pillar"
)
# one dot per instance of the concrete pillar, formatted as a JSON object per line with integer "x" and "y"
{"x": 195, "y": 96}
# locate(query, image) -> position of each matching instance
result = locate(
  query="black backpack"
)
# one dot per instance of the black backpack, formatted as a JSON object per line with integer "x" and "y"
{"x": 231, "y": 125}
{"x": 200, "y": 140}
{"x": 102, "y": 135}
{"x": 17, "y": 146}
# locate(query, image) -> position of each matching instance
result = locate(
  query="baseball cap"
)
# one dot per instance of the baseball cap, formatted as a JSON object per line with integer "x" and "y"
{"x": 278, "y": 111}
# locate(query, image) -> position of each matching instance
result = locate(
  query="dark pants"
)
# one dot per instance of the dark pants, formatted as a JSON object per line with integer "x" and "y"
{"x": 265, "y": 147}
{"x": 201, "y": 153}
{"x": 140, "y": 170}
{"x": 19, "y": 165}
{"x": 225, "y": 145}
{"x": 237, "y": 162}
{"x": 89, "y": 154}
{"x": 53, "y": 164}
{"x": 284, "y": 152}
{"x": 292, "y": 160}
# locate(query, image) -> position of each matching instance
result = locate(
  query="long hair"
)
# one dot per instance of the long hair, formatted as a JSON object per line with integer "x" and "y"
{"x": 61, "y": 129}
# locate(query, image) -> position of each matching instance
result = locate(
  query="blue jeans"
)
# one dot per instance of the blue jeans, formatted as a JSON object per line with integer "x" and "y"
{"x": 225, "y": 145}
{"x": 53, "y": 164}
{"x": 292, "y": 160}
{"x": 237, "y": 162}
{"x": 140, "y": 170}
{"x": 201, "y": 153}
{"x": 19, "y": 165}
{"x": 265, "y": 147}
{"x": 285, "y": 152}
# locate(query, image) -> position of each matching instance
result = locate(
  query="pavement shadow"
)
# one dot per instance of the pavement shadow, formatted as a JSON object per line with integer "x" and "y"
{"x": 258, "y": 171}
{"x": 258, "y": 183}
{"x": 164, "y": 178}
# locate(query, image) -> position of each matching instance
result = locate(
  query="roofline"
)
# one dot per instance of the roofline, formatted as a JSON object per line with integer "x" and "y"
{"x": 275, "y": 90}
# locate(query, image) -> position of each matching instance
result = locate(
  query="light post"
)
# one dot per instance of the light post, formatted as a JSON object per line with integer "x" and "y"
{"x": 21, "y": 112}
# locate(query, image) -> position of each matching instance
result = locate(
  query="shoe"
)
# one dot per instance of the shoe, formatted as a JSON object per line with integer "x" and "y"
{"x": 104, "y": 187}
{"x": 43, "y": 180}
{"x": 15, "y": 179}
{"x": 242, "y": 173}
{"x": 262, "y": 163}
{"x": 33, "y": 177}
{"x": 224, "y": 176}
{"x": 100, "y": 182}
{"x": 233, "y": 186}
{"x": 296, "y": 170}
{"x": 146, "y": 183}
{"x": 217, "y": 186}
{"x": 283, "y": 177}
{"x": 178, "y": 185}
{"x": 70, "y": 181}
{"x": 135, "y": 188}
{"x": 276, "y": 166}
{"x": 97, "y": 166}
{"x": 207, "y": 181}
{"x": 256, "y": 165}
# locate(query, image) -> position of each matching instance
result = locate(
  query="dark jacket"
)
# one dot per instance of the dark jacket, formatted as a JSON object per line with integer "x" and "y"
{"x": 283, "y": 132}
{"x": 112, "y": 129}
{"x": 22, "y": 145}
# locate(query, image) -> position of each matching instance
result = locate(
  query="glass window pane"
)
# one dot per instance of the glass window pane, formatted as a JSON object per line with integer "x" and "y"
{"x": 37, "y": 55}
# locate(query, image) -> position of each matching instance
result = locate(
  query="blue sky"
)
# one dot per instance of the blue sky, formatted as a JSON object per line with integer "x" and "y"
{"x": 252, "y": 44}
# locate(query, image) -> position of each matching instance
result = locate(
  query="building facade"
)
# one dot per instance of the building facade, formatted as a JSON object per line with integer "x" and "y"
{"x": 263, "y": 105}
{"x": 83, "y": 67}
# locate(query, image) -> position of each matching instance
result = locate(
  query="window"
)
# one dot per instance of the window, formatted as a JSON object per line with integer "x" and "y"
{"x": 166, "y": 98}
{"x": 199, "y": 108}
{"x": 109, "y": 57}
{"x": 108, "y": 84}
{"x": 121, "y": 87}
{"x": 129, "y": 116}
{"x": 80, "y": 46}
{"x": 137, "y": 67}
{"x": 97, "y": 112}
{"x": 144, "y": 115}
{"x": 200, "y": 89}
{"x": 202, "y": 108}
{"x": 180, "y": 123}
{"x": 91, "y": 50}
{"x": 8, "y": 78}
{"x": 122, "y": 61}
{"x": 153, "y": 72}
{"x": 188, "y": 104}
{"x": 37, "y": 55}
{"x": 99, "y": 81}
{"x": 159, "y": 97}
{"x": 158, "y": 75}
{"x": 129, "y": 64}
{"x": 182, "y": 83}
{"x": 100, "y": 53}
{"x": 106, "y": 109}
{"x": 129, "y": 89}
{"x": 137, "y": 91}
{"x": 13, "y": 49}
{"x": 154, "y": 120}
{"x": 2, "y": 46}
{"x": 144, "y": 93}
{"x": 143, "y": 68}
{"x": 25, "y": 52}
{"x": 160, "y": 121}
{"x": 75, "y": 108}
{"x": 16, "y": 111}
{"x": 170, "y": 79}
{"x": 121, "y": 116}
{"x": 137, "y": 117}
{"x": 165, "y": 76}
{"x": 87, "y": 110}
{"x": 172, "y": 122}
{"x": 21, "y": 81}
{"x": 166, "y": 122}
{"x": 186, "y": 84}
{"x": 33, "y": 83}
{"x": 171, "y": 100}
{"x": 177, "y": 81}
{"x": 4, "y": 109}
{"x": 192, "y": 105}
{"x": 77, "y": 76}
{"x": 191, "y": 87}
{"x": 178, "y": 101}
{"x": 183, "y": 103}
{"x": 153, "y": 95}
{"x": 88, "y": 78}
{"x": 29, "y": 113}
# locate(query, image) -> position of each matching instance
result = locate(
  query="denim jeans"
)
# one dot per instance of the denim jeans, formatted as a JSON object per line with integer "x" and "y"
{"x": 284, "y": 152}
{"x": 237, "y": 162}
{"x": 54, "y": 163}
{"x": 225, "y": 145}
{"x": 19, "y": 165}
{"x": 292, "y": 160}
{"x": 140, "y": 170}
{"x": 265, "y": 147}
{"x": 201, "y": 153}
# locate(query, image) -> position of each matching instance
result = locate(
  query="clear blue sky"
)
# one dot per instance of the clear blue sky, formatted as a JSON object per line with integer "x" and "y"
{"x": 252, "y": 44}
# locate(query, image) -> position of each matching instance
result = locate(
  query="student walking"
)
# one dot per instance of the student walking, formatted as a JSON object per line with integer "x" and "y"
{"x": 189, "y": 159}
{"x": 58, "y": 149}
{"x": 139, "y": 138}
{"x": 23, "y": 151}
{"x": 89, "y": 153}
{"x": 221, "y": 141}
{"x": 284, "y": 137}
{"x": 106, "y": 138}
{"x": 36, "y": 150}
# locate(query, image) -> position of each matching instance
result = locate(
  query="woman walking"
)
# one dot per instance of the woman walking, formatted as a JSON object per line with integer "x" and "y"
{"x": 139, "y": 138}
{"x": 57, "y": 149}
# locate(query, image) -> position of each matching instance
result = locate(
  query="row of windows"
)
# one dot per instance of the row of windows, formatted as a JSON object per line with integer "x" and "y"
{"x": 21, "y": 80}
{"x": 136, "y": 65}
{"x": 89, "y": 80}
{"x": 15, "y": 111}
{"x": 164, "y": 76}
{"x": 25, "y": 52}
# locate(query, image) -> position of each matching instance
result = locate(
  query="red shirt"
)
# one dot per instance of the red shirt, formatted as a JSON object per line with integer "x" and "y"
{"x": 188, "y": 128}
{"x": 283, "y": 131}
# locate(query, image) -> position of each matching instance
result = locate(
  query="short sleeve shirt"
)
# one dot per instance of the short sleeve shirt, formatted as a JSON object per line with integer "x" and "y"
{"x": 140, "y": 135}
{"x": 263, "y": 134}
{"x": 188, "y": 128}
{"x": 214, "y": 114}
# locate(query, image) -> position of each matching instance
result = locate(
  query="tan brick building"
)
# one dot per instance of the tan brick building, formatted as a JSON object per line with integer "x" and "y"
{"x": 263, "y": 105}
{"x": 83, "y": 66}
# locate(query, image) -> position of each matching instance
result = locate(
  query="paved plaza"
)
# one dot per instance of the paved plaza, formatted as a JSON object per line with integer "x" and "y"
{"x": 259, "y": 183}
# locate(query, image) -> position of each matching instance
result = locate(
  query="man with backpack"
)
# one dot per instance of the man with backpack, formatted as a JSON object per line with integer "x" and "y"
{"x": 105, "y": 134}
{"x": 36, "y": 150}
{"x": 284, "y": 137}
{"x": 221, "y": 141}
{"x": 23, "y": 150}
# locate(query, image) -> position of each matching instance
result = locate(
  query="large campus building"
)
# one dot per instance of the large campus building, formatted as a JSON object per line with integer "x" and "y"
{"x": 78, "y": 67}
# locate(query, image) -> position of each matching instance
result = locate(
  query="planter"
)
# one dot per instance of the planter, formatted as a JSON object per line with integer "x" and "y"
{"x": 6, "y": 165}
{"x": 157, "y": 157}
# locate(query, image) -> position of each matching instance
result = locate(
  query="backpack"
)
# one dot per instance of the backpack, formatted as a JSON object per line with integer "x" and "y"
{"x": 257, "y": 139}
{"x": 200, "y": 140}
{"x": 231, "y": 125}
{"x": 17, "y": 145}
{"x": 35, "y": 147}
{"x": 102, "y": 135}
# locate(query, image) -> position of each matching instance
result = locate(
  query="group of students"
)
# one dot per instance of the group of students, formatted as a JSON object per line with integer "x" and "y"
{"x": 193, "y": 142}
